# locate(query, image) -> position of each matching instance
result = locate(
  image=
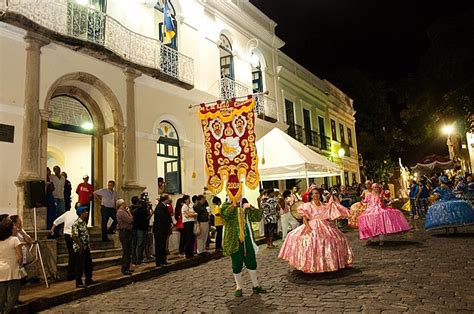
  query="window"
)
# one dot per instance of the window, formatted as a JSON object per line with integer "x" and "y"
{"x": 169, "y": 159}
{"x": 161, "y": 29}
{"x": 354, "y": 178}
{"x": 338, "y": 180}
{"x": 341, "y": 131}
{"x": 307, "y": 127}
{"x": 349, "y": 137}
{"x": 86, "y": 21}
{"x": 333, "y": 130}
{"x": 226, "y": 57}
{"x": 257, "y": 81}
{"x": 290, "y": 118}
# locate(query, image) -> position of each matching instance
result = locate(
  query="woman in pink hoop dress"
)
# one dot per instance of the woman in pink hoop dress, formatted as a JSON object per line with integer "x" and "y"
{"x": 379, "y": 220}
{"x": 318, "y": 246}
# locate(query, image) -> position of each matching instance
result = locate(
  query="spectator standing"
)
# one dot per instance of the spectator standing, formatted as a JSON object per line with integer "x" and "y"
{"x": 67, "y": 192}
{"x": 125, "y": 226}
{"x": 161, "y": 186}
{"x": 59, "y": 182}
{"x": 218, "y": 221}
{"x": 178, "y": 216}
{"x": 21, "y": 234}
{"x": 287, "y": 220}
{"x": 161, "y": 228}
{"x": 85, "y": 192}
{"x": 189, "y": 217}
{"x": 51, "y": 204}
{"x": 82, "y": 251}
{"x": 68, "y": 219}
{"x": 108, "y": 199}
{"x": 11, "y": 257}
{"x": 140, "y": 214}
{"x": 270, "y": 217}
{"x": 203, "y": 219}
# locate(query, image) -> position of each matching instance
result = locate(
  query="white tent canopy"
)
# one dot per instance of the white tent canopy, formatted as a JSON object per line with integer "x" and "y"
{"x": 286, "y": 158}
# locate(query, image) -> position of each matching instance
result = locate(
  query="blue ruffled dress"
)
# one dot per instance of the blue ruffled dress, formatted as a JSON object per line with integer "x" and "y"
{"x": 448, "y": 211}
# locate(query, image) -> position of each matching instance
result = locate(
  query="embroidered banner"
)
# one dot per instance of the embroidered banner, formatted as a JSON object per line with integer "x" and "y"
{"x": 229, "y": 141}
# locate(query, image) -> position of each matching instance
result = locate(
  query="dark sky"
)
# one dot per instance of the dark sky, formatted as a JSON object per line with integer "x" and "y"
{"x": 384, "y": 38}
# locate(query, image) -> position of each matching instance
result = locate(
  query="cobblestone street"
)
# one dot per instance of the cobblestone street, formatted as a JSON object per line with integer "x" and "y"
{"x": 416, "y": 272}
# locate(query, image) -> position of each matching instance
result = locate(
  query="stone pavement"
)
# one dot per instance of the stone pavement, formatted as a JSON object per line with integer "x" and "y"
{"x": 415, "y": 272}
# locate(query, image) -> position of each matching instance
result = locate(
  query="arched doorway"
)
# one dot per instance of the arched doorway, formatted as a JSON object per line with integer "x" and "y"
{"x": 169, "y": 157}
{"x": 84, "y": 123}
{"x": 70, "y": 140}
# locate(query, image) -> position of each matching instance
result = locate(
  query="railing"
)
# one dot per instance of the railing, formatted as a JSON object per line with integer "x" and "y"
{"x": 266, "y": 108}
{"x": 309, "y": 137}
{"x": 68, "y": 18}
{"x": 296, "y": 132}
{"x": 229, "y": 88}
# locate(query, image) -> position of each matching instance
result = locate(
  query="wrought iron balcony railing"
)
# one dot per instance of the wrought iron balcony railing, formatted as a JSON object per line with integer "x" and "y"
{"x": 229, "y": 88}
{"x": 67, "y": 18}
{"x": 309, "y": 137}
{"x": 267, "y": 108}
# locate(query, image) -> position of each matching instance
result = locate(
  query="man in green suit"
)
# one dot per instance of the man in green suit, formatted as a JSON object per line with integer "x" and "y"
{"x": 239, "y": 243}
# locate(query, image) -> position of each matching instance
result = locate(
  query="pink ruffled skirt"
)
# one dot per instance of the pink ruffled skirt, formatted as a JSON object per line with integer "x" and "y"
{"x": 324, "y": 249}
{"x": 381, "y": 221}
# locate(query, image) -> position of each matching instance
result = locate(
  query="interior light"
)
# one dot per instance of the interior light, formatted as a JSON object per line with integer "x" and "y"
{"x": 87, "y": 126}
{"x": 254, "y": 60}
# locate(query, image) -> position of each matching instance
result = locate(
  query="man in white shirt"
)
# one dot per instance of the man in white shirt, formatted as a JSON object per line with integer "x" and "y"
{"x": 68, "y": 219}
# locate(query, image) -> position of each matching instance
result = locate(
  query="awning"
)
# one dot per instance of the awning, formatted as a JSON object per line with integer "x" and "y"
{"x": 286, "y": 158}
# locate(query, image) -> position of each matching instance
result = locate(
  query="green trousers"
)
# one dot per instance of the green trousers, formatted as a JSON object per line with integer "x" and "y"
{"x": 246, "y": 256}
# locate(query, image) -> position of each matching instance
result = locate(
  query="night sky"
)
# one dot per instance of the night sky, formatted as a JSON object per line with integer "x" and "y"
{"x": 385, "y": 39}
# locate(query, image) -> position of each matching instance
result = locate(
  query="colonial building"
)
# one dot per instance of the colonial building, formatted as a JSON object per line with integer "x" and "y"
{"x": 104, "y": 88}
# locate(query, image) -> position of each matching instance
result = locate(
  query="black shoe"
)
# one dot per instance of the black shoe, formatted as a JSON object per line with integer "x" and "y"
{"x": 111, "y": 232}
{"x": 127, "y": 273}
{"x": 80, "y": 285}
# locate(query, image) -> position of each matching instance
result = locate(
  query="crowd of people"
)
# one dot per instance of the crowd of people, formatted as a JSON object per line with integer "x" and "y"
{"x": 309, "y": 223}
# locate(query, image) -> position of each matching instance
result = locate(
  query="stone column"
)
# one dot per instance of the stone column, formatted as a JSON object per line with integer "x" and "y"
{"x": 30, "y": 150}
{"x": 131, "y": 187}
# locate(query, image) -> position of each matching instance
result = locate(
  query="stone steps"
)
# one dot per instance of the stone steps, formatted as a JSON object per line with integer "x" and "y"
{"x": 96, "y": 255}
{"x": 98, "y": 263}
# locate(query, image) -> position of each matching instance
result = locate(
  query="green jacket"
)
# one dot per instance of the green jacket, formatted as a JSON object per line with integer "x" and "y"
{"x": 231, "y": 223}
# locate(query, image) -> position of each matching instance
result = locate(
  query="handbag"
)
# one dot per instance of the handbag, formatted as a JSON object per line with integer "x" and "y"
{"x": 197, "y": 228}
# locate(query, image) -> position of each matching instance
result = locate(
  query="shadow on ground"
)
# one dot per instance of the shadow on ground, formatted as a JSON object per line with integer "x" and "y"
{"x": 394, "y": 245}
{"x": 348, "y": 277}
{"x": 461, "y": 235}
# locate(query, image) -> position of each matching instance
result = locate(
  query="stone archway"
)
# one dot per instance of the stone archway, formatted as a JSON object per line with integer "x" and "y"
{"x": 107, "y": 119}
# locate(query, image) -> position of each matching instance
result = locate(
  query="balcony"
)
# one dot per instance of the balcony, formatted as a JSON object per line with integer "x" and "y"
{"x": 96, "y": 33}
{"x": 229, "y": 88}
{"x": 309, "y": 137}
{"x": 266, "y": 108}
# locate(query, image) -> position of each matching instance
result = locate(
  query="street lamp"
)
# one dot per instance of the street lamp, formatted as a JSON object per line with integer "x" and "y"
{"x": 341, "y": 152}
{"x": 448, "y": 129}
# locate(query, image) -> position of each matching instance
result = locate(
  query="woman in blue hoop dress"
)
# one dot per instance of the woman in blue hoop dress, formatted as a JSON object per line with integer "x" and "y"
{"x": 448, "y": 211}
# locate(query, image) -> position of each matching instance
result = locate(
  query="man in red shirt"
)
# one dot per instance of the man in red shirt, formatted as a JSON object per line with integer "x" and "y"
{"x": 85, "y": 192}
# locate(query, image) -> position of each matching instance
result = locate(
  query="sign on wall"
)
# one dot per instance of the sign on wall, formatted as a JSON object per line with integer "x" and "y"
{"x": 7, "y": 133}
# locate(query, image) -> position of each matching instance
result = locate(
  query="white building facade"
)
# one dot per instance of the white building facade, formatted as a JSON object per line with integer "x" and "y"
{"x": 91, "y": 86}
